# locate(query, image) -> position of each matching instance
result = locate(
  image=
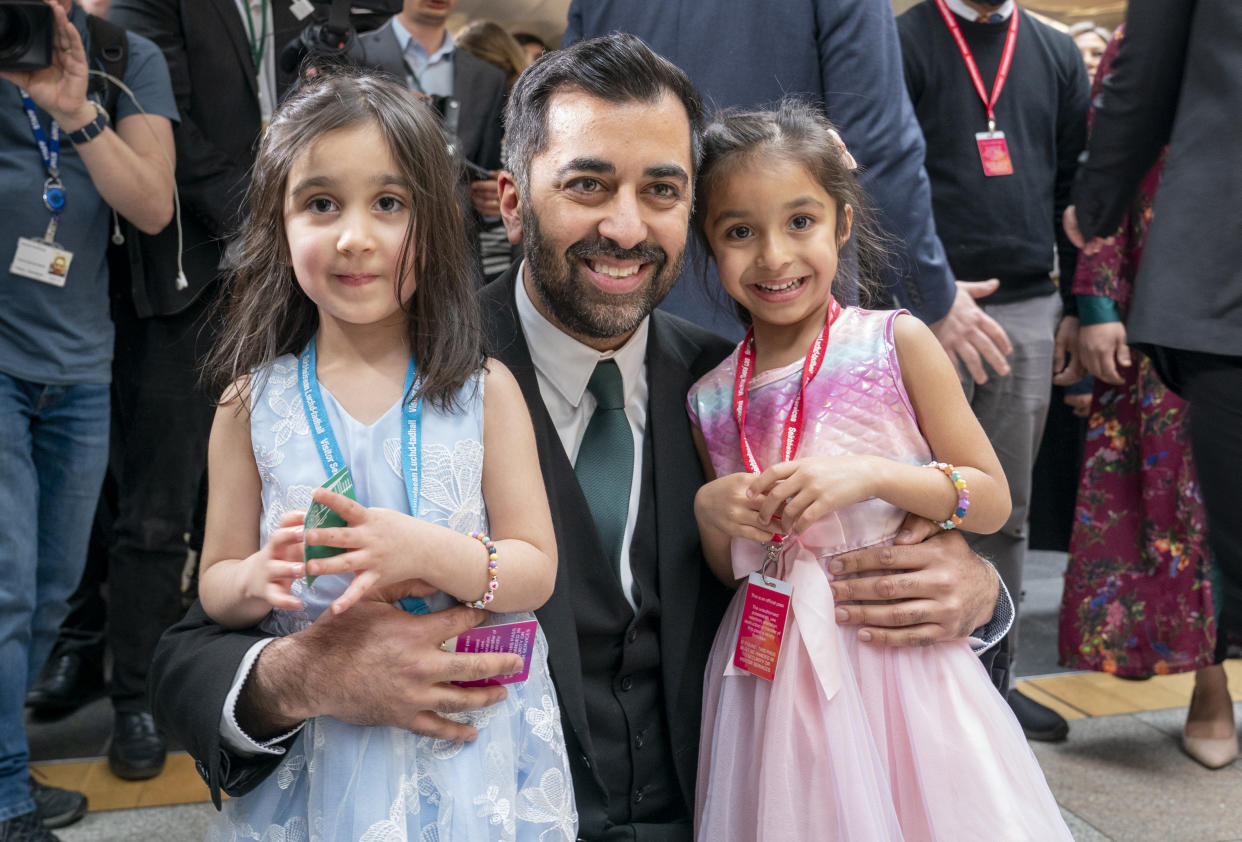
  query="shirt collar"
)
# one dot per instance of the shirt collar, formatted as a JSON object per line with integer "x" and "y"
{"x": 567, "y": 364}
{"x": 959, "y": 8}
{"x": 407, "y": 42}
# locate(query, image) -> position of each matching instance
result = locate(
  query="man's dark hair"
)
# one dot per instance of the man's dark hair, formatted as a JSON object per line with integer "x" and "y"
{"x": 617, "y": 68}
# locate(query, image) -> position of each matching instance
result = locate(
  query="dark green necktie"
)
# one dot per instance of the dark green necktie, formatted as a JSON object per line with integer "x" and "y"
{"x": 606, "y": 458}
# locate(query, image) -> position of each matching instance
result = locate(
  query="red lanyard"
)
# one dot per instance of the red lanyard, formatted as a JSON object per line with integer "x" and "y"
{"x": 1002, "y": 73}
{"x": 791, "y": 435}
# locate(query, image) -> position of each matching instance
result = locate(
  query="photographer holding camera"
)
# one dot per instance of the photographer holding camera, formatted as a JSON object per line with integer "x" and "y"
{"x": 56, "y": 343}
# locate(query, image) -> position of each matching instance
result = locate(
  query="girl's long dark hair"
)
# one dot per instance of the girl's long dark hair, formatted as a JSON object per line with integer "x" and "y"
{"x": 797, "y": 131}
{"x": 265, "y": 312}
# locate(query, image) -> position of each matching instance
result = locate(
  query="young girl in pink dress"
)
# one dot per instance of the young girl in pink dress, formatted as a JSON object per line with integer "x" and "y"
{"x": 827, "y": 425}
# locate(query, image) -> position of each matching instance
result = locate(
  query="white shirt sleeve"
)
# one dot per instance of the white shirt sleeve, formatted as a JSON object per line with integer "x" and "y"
{"x": 237, "y": 740}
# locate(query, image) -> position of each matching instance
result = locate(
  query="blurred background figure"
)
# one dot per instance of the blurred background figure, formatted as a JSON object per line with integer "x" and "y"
{"x": 489, "y": 41}
{"x": 1091, "y": 41}
{"x": 1138, "y": 596}
{"x": 533, "y": 45}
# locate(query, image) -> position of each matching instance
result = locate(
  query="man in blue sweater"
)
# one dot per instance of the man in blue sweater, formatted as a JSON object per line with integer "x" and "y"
{"x": 1002, "y": 99}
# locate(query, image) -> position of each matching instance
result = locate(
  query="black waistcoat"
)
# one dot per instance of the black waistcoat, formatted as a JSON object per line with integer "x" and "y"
{"x": 620, "y": 654}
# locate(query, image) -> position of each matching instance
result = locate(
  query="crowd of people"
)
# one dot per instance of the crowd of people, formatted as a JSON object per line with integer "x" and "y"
{"x": 309, "y": 367}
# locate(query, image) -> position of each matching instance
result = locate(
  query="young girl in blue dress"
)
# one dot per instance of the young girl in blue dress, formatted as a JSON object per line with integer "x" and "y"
{"x": 352, "y": 339}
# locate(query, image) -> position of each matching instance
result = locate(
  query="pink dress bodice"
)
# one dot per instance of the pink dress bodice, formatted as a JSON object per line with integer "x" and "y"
{"x": 856, "y": 404}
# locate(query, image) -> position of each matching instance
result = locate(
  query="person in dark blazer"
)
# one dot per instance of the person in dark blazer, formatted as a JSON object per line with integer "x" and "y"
{"x": 602, "y": 217}
{"x": 478, "y": 86}
{"x": 1177, "y": 79}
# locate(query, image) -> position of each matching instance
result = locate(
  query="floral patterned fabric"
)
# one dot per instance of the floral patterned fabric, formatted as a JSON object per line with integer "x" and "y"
{"x": 1137, "y": 598}
{"x": 340, "y": 781}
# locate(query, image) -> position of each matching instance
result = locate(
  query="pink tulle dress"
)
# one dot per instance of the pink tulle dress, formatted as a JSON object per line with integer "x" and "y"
{"x": 850, "y": 742}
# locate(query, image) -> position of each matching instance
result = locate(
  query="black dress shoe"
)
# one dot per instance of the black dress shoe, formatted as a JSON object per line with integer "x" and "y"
{"x": 25, "y": 828}
{"x": 1039, "y": 722}
{"x": 68, "y": 682}
{"x": 54, "y": 806}
{"x": 138, "y": 749}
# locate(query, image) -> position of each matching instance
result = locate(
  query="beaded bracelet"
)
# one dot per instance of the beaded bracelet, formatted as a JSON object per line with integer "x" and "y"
{"x": 963, "y": 496}
{"x": 492, "y": 559}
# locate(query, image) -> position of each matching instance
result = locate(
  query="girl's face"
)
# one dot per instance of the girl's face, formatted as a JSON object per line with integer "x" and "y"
{"x": 347, "y": 207}
{"x": 1092, "y": 47}
{"x": 772, "y": 229}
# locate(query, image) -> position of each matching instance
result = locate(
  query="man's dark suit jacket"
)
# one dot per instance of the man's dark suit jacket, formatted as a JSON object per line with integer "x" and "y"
{"x": 1177, "y": 79}
{"x": 479, "y": 87}
{"x": 208, "y": 53}
{"x": 196, "y": 659}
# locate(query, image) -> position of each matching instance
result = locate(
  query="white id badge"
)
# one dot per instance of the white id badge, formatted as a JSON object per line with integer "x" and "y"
{"x": 301, "y": 8}
{"x": 41, "y": 261}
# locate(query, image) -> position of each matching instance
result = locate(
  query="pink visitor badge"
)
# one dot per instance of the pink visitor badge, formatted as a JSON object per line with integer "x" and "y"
{"x": 515, "y": 638}
{"x": 994, "y": 153}
{"x": 763, "y": 625}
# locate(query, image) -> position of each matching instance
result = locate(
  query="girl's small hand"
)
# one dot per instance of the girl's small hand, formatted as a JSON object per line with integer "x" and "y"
{"x": 802, "y": 491}
{"x": 268, "y": 574}
{"x": 724, "y": 505}
{"x": 377, "y": 544}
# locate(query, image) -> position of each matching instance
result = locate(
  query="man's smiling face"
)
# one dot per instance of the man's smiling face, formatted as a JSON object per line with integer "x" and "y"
{"x": 604, "y": 225}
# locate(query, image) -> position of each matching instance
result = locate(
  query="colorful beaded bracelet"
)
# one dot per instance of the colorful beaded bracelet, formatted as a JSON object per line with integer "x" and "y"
{"x": 963, "y": 496}
{"x": 492, "y": 559}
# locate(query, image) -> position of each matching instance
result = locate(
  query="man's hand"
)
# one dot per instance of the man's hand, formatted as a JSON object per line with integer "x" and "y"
{"x": 1103, "y": 348}
{"x": 373, "y": 665}
{"x": 485, "y": 195}
{"x": 971, "y": 335}
{"x": 1069, "y": 221}
{"x": 933, "y": 588}
{"x": 1066, "y": 367}
{"x": 60, "y": 88}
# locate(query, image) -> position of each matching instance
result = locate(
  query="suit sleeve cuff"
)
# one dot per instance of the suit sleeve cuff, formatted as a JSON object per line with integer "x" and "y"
{"x": 231, "y": 734}
{"x": 991, "y": 632}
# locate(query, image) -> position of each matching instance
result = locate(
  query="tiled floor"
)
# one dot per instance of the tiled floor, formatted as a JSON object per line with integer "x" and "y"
{"x": 1120, "y": 777}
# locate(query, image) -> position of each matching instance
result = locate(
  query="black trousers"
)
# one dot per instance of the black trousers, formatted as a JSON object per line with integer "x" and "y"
{"x": 150, "y": 512}
{"x": 1212, "y": 385}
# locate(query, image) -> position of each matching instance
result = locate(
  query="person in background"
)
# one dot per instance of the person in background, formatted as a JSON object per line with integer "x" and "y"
{"x": 533, "y": 45}
{"x": 1177, "y": 80}
{"x": 489, "y": 41}
{"x": 1091, "y": 41}
{"x": 1002, "y": 99}
{"x": 67, "y": 165}
{"x": 151, "y": 500}
{"x": 416, "y": 46}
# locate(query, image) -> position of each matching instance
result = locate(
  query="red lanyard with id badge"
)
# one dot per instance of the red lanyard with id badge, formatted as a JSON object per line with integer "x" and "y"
{"x": 44, "y": 260}
{"x": 993, "y": 150}
{"x": 766, "y": 608}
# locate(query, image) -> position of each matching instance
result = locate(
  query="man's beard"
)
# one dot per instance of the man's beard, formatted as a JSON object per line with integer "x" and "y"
{"x": 577, "y": 304}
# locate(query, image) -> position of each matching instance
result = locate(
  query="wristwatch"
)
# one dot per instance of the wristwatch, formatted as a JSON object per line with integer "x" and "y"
{"x": 93, "y": 129}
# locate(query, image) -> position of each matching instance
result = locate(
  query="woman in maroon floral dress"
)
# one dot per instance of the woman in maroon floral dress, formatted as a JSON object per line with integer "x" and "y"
{"x": 1137, "y": 599}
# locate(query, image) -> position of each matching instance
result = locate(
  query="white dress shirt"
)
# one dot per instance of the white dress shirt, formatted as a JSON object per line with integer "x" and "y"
{"x": 431, "y": 74}
{"x": 959, "y": 8}
{"x": 252, "y": 14}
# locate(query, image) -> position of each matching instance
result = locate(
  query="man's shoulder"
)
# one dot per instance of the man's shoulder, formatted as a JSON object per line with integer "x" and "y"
{"x": 699, "y": 348}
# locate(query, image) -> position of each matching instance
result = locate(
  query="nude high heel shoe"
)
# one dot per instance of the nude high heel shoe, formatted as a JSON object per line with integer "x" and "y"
{"x": 1212, "y": 752}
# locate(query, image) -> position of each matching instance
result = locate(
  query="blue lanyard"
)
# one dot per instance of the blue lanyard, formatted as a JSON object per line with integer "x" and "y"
{"x": 49, "y": 151}
{"x": 325, "y": 441}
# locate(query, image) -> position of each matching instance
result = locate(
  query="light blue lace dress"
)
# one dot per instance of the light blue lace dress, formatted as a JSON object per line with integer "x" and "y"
{"x": 348, "y": 782}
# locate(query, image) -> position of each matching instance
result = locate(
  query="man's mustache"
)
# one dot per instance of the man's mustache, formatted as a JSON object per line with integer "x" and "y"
{"x": 644, "y": 252}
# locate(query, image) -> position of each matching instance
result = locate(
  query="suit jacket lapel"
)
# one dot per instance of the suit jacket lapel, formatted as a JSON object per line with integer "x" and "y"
{"x": 231, "y": 18}
{"x": 506, "y": 342}
{"x": 675, "y": 484}
{"x": 384, "y": 52}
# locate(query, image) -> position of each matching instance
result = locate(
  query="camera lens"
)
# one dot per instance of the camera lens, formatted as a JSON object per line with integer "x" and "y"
{"x": 14, "y": 32}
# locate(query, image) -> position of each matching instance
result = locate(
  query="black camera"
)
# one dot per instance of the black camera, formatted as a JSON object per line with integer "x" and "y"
{"x": 336, "y": 39}
{"x": 25, "y": 34}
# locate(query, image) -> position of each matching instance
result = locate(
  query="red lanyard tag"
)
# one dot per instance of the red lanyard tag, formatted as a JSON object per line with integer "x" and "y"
{"x": 994, "y": 153}
{"x": 762, "y": 625}
{"x": 791, "y": 435}
{"x": 1002, "y": 72}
